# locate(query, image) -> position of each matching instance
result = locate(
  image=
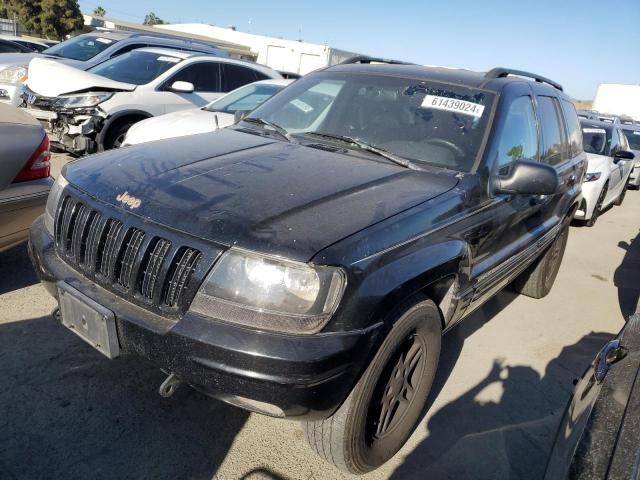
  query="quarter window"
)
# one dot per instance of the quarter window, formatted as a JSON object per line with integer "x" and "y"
{"x": 573, "y": 126}
{"x": 519, "y": 137}
{"x": 204, "y": 76}
{"x": 235, "y": 76}
{"x": 555, "y": 147}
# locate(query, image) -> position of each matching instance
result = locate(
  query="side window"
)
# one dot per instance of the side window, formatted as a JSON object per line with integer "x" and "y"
{"x": 519, "y": 137}
{"x": 234, "y": 76}
{"x": 573, "y": 126}
{"x": 205, "y": 76}
{"x": 128, "y": 48}
{"x": 614, "y": 142}
{"x": 555, "y": 147}
{"x": 624, "y": 144}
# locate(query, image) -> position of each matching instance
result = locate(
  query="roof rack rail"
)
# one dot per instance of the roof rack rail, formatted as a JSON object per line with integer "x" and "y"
{"x": 500, "y": 72}
{"x": 367, "y": 59}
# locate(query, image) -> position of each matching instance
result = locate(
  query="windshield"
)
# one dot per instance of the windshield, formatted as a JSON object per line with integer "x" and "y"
{"x": 633, "y": 137}
{"x": 80, "y": 48}
{"x": 244, "y": 99}
{"x": 422, "y": 121}
{"x": 594, "y": 140}
{"x": 135, "y": 67}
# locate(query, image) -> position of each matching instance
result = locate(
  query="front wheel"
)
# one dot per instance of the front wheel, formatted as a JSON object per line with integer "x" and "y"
{"x": 386, "y": 404}
{"x": 115, "y": 135}
{"x": 598, "y": 208}
{"x": 537, "y": 280}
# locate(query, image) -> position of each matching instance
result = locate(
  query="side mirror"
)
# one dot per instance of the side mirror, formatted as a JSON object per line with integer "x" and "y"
{"x": 182, "y": 87}
{"x": 623, "y": 155}
{"x": 239, "y": 115}
{"x": 528, "y": 178}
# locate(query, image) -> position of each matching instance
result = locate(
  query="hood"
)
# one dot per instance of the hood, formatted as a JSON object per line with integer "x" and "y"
{"x": 177, "y": 124}
{"x": 16, "y": 59}
{"x": 597, "y": 163}
{"x": 261, "y": 194}
{"x": 51, "y": 78}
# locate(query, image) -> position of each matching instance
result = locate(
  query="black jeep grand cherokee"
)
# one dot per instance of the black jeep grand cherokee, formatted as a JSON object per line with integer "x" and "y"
{"x": 305, "y": 262}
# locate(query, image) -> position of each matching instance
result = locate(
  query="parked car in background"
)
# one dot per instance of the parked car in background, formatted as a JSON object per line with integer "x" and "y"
{"x": 632, "y": 133}
{"x": 9, "y": 46}
{"x": 305, "y": 262}
{"x": 32, "y": 45}
{"x": 218, "y": 114}
{"x": 610, "y": 164}
{"x": 87, "y": 50}
{"x": 588, "y": 114}
{"x": 89, "y": 111}
{"x": 24, "y": 174}
{"x": 599, "y": 435}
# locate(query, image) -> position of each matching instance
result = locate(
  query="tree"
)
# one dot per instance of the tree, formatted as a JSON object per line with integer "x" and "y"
{"x": 27, "y": 13}
{"x": 152, "y": 19}
{"x": 99, "y": 11}
{"x": 60, "y": 17}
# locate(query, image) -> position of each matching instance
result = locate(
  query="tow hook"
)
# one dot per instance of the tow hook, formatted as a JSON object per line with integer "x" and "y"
{"x": 612, "y": 352}
{"x": 169, "y": 386}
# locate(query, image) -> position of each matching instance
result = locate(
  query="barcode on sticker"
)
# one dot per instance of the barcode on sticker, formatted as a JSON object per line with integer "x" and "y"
{"x": 168, "y": 59}
{"x": 304, "y": 106}
{"x": 453, "y": 105}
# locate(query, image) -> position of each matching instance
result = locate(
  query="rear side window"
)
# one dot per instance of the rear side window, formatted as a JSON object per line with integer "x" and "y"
{"x": 555, "y": 149}
{"x": 235, "y": 76}
{"x": 573, "y": 127}
{"x": 128, "y": 48}
{"x": 204, "y": 76}
{"x": 519, "y": 136}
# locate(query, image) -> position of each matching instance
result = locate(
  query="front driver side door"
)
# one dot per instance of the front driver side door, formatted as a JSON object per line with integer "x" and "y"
{"x": 205, "y": 77}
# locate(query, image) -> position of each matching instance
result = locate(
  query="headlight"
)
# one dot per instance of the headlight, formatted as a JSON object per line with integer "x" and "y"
{"x": 82, "y": 101}
{"x": 270, "y": 293}
{"x": 52, "y": 202}
{"x": 592, "y": 177}
{"x": 13, "y": 74}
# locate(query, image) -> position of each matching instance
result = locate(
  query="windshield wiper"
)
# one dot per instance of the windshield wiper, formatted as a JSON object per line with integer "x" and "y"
{"x": 369, "y": 148}
{"x": 266, "y": 123}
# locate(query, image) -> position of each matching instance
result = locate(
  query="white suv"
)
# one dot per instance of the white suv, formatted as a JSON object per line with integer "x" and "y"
{"x": 88, "y": 111}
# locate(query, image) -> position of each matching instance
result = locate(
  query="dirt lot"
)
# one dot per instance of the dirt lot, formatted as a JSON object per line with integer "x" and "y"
{"x": 505, "y": 376}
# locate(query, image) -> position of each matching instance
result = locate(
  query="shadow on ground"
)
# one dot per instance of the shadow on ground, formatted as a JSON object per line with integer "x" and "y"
{"x": 627, "y": 277}
{"x": 509, "y": 439}
{"x": 66, "y": 412}
{"x": 16, "y": 271}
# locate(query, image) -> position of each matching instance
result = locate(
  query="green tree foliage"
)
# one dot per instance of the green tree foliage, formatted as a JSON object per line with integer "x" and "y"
{"x": 152, "y": 19}
{"x": 27, "y": 13}
{"x": 60, "y": 17}
{"x": 99, "y": 11}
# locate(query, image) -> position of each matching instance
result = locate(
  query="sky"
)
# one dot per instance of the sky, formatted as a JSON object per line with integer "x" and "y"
{"x": 578, "y": 43}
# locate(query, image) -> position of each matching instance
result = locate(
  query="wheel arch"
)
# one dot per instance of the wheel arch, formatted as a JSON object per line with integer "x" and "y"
{"x": 117, "y": 119}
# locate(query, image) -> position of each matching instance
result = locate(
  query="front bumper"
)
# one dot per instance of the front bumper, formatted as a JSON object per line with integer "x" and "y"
{"x": 275, "y": 374}
{"x": 590, "y": 193}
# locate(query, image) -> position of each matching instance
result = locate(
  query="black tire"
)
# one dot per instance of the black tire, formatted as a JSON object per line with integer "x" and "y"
{"x": 620, "y": 198}
{"x": 115, "y": 135}
{"x": 536, "y": 281}
{"x": 598, "y": 208}
{"x": 388, "y": 401}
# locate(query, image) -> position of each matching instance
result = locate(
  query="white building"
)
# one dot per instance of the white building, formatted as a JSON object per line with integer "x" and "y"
{"x": 277, "y": 53}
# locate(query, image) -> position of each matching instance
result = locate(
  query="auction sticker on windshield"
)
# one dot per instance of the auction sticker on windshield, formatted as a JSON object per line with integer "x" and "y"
{"x": 594, "y": 130}
{"x": 453, "y": 105}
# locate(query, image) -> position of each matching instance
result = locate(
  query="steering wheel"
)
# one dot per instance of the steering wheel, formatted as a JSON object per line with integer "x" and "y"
{"x": 440, "y": 142}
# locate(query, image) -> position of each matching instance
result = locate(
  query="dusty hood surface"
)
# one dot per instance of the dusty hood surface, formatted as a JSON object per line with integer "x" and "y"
{"x": 16, "y": 59}
{"x": 259, "y": 193}
{"x": 598, "y": 163}
{"x": 51, "y": 78}
{"x": 177, "y": 124}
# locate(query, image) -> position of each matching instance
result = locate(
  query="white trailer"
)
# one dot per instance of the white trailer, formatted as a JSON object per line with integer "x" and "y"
{"x": 280, "y": 54}
{"x": 618, "y": 99}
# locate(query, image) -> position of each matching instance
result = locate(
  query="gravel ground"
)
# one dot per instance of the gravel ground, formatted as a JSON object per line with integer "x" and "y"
{"x": 505, "y": 376}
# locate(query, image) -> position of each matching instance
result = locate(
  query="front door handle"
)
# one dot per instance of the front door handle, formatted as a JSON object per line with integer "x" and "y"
{"x": 571, "y": 181}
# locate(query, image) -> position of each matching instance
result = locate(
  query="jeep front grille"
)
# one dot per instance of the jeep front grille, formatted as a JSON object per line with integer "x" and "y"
{"x": 148, "y": 268}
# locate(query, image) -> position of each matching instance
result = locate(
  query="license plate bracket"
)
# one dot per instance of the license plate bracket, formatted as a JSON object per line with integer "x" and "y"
{"x": 92, "y": 322}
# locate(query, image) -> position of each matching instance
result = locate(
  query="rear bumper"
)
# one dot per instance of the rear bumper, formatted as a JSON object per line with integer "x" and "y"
{"x": 20, "y": 205}
{"x": 279, "y": 375}
{"x": 634, "y": 178}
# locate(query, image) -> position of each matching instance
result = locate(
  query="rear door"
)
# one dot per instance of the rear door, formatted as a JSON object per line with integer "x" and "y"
{"x": 616, "y": 168}
{"x": 235, "y": 76}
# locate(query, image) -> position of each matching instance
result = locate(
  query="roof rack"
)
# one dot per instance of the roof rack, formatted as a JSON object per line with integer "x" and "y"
{"x": 367, "y": 59}
{"x": 500, "y": 72}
